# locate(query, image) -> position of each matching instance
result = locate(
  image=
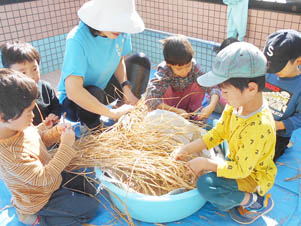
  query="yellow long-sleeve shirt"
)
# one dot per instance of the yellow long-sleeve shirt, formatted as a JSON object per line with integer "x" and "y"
{"x": 251, "y": 142}
{"x": 29, "y": 171}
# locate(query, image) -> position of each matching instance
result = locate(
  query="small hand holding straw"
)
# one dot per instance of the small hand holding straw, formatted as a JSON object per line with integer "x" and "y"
{"x": 194, "y": 166}
{"x": 194, "y": 113}
{"x": 67, "y": 135}
{"x": 65, "y": 126}
{"x": 51, "y": 120}
{"x": 55, "y": 132}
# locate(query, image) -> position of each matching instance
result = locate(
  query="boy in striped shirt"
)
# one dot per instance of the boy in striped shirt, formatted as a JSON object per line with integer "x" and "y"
{"x": 34, "y": 177}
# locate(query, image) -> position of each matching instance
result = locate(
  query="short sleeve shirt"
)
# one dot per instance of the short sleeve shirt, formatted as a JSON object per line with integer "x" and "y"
{"x": 93, "y": 58}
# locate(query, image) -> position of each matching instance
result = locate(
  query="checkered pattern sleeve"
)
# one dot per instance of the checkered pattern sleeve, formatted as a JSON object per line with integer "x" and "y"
{"x": 157, "y": 87}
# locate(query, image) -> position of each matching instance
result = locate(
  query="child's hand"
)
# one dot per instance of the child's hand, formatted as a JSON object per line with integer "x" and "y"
{"x": 197, "y": 165}
{"x": 182, "y": 112}
{"x": 205, "y": 113}
{"x": 279, "y": 125}
{"x": 51, "y": 120}
{"x": 179, "y": 154}
{"x": 68, "y": 135}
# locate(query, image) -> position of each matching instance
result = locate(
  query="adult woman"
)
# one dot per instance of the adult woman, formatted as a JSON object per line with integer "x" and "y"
{"x": 95, "y": 71}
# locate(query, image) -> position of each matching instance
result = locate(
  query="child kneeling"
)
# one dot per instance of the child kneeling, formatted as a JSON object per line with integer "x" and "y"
{"x": 240, "y": 183}
{"x": 175, "y": 87}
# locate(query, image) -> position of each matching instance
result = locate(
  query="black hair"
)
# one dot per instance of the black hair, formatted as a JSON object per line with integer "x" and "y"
{"x": 93, "y": 31}
{"x": 292, "y": 60}
{"x": 17, "y": 93}
{"x": 242, "y": 83}
{"x": 225, "y": 43}
{"x": 18, "y": 52}
{"x": 177, "y": 50}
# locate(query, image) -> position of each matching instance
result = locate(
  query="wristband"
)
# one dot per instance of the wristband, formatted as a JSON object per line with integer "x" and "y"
{"x": 126, "y": 83}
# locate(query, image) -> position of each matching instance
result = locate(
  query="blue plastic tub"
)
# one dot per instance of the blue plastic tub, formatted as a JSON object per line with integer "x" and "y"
{"x": 155, "y": 209}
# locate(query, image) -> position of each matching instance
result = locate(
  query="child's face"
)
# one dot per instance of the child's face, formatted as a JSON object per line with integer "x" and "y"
{"x": 30, "y": 69}
{"x": 234, "y": 96}
{"x": 290, "y": 70}
{"x": 181, "y": 71}
{"x": 23, "y": 121}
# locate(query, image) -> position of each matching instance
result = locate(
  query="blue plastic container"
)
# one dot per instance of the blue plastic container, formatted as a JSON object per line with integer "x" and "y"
{"x": 155, "y": 209}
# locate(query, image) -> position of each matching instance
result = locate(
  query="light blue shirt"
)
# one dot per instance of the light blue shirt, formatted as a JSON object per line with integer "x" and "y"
{"x": 93, "y": 58}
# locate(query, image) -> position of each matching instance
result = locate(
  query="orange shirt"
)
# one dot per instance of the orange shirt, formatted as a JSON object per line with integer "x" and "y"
{"x": 29, "y": 171}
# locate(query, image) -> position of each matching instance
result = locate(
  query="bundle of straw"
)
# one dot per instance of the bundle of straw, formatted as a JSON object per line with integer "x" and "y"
{"x": 136, "y": 151}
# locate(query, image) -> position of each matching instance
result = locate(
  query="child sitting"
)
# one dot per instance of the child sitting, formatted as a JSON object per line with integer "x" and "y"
{"x": 175, "y": 87}
{"x": 36, "y": 179}
{"x": 240, "y": 183}
{"x": 283, "y": 51}
{"x": 25, "y": 58}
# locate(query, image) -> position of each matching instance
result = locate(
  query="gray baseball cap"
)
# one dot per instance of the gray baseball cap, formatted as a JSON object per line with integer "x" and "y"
{"x": 238, "y": 60}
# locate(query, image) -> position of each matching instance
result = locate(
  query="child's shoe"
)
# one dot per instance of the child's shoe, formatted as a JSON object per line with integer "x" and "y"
{"x": 250, "y": 214}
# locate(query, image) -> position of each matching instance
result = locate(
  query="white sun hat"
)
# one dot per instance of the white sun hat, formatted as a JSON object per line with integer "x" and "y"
{"x": 111, "y": 15}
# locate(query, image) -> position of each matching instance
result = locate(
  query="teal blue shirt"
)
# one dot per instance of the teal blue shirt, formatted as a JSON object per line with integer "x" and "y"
{"x": 93, "y": 58}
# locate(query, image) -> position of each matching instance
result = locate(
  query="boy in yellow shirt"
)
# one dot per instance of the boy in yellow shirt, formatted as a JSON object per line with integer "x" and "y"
{"x": 240, "y": 183}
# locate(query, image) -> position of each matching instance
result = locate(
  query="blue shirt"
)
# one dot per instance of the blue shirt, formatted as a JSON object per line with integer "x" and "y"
{"x": 284, "y": 97}
{"x": 93, "y": 58}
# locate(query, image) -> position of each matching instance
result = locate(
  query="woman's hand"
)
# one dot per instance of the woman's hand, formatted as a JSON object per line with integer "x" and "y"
{"x": 118, "y": 112}
{"x": 128, "y": 96}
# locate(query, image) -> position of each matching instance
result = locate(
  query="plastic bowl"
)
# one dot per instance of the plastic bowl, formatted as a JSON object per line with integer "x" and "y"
{"x": 155, "y": 209}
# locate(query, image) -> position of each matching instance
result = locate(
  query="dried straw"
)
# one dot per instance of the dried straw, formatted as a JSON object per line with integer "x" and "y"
{"x": 136, "y": 152}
